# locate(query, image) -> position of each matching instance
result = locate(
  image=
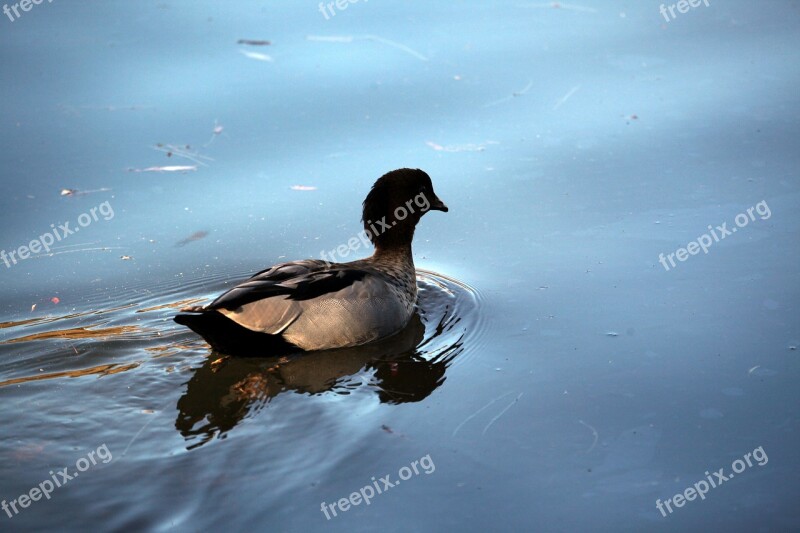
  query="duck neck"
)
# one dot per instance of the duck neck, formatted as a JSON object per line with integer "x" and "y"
{"x": 393, "y": 245}
{"x": 394, "y": 255}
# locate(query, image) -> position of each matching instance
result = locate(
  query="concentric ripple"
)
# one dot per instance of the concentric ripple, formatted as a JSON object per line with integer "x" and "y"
{"x": 450, "y": 311}
{"x": 91, "y": 340}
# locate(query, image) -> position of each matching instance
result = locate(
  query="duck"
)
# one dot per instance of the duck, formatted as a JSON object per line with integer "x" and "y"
{"x": 312, "y": 305}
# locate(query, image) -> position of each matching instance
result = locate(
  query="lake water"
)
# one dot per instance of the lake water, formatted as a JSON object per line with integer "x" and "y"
{"x": 575, "y": 362}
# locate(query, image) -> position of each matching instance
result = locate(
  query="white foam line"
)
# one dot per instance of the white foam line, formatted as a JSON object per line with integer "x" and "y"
{"x": 139, "y": 433}
{"x": 566, "y": 97}
{"x": 513, "y": 95}
{"x": 397, "y": 45}
{"x": 258, "y": 56}
{"x": 594, "y": 432}
{"x": 378, "y": 38}
{"x": 479, "y": 411}
{"x": 493, "y": 420}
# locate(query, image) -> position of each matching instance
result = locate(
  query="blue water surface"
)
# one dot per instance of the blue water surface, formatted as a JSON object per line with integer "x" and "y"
{"x": 576, "y": 361}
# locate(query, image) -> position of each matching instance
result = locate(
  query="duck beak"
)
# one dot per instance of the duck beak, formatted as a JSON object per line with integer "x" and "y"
{"x": 438, "y": 205}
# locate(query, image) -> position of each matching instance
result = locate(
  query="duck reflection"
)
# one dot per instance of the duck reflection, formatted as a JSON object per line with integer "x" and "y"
{"x": 226, "y": 389}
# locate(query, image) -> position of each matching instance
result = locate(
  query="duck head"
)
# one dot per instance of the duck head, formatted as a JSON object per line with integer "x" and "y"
{"x": 395, "y": 205}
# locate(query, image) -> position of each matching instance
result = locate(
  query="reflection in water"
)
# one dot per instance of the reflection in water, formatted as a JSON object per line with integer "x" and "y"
{"x": 100, "y": 370}
{"x": 406, "y": 367}
{"x": 77, "y": 333}
{"x": 223, "y": 391}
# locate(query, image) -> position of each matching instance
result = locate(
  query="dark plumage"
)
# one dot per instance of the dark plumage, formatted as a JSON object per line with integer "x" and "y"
{"x": 316, "y": 305}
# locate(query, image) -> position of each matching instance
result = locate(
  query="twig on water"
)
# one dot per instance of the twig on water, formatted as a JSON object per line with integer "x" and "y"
{"x": 493, "y": 420}
{"x": 479, "y": 411}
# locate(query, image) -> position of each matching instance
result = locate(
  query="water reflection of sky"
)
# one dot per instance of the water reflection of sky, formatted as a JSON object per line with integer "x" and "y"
{"x": 573, "y": 145}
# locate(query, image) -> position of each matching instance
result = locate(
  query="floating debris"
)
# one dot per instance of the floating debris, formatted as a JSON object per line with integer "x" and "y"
{"x": 377, "y": 38}
{"x": 594, "y": 434}
{"x": 33, "y": 307}
{"x": 196, "y": 236}
{"x": 59, "y": 251}
{"x": 495, "y": 419}
{"x": 629, "y": 118}
{"x": 76, "y": 192}
{"x": 256, "y": 55}
{"x": 182, "y": 151}
{"x": 513, "y": 95}
{"x": 252, "y": 42}
{"x": 460, "y": 147}
{"x": 563, "y": 99}
{"x": 523, "y": 91}
{"x": 172, "y": 168}
{"x": 55, "y": 299}
{"x": 479, "y": 411}
{"x": 759, "y": 371}
{"x": 218, "y": 129}
{"x": 303, "y": 188}
{"x": 125, "y": 257}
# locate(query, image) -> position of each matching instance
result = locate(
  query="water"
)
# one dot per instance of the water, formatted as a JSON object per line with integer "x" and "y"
{"x": 558, "y": 378}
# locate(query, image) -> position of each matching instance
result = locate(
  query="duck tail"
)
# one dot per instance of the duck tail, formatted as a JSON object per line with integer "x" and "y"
{"x": 227, "y": 337}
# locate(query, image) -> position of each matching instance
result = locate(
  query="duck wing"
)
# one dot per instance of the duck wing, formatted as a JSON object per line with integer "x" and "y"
{"x": 296, "y": 281}
{"x": 316, "y": 305}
